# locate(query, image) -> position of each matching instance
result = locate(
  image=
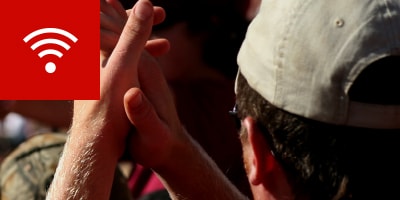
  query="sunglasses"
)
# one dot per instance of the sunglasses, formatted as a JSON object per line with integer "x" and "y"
{"x": 236, "y": 118}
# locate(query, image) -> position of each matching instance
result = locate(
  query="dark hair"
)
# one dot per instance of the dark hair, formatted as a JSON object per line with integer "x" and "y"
{"x": 325, "y": 161}
{"x": 223, "y": 20}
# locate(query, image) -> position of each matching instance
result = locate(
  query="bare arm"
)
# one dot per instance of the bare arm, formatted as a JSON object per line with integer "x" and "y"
{"x": 184, "y": 167}
{"x": 100, "y": 128}
{"x": 85, "y": 170}
{"x": 194, "y": 175}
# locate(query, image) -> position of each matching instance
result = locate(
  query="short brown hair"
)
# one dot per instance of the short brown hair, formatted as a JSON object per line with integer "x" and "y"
{"x": 323, "y": 161}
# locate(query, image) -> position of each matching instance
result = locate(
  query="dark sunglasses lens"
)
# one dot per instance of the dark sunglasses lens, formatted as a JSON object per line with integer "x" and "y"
{"x": 235, "y": 117}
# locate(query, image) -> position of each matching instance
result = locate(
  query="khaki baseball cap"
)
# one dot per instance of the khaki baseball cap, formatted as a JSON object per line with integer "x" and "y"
{"x": 303, "y": 57}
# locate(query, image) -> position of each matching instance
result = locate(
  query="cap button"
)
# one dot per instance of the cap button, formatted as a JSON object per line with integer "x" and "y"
{"x": 339, "y": 22}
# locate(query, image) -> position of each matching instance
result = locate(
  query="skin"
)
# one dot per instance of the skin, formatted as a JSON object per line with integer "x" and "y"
{"x": 91, "y": 128}
{"x": 267, "y": 179}
{"x": 197, "y": 88}
{"x": 100, "y": 127}
{"x": 58, "y": 114}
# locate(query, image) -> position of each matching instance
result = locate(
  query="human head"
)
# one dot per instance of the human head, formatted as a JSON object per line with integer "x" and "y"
{"x": 298, "y": 88}
{"x": 217, "y": 26}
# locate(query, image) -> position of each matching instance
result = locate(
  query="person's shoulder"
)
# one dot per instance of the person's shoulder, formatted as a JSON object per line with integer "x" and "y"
{"x": 28, "y": 170}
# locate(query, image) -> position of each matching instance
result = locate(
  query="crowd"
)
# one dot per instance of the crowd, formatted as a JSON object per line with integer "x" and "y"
{"x": 314, "y": 95}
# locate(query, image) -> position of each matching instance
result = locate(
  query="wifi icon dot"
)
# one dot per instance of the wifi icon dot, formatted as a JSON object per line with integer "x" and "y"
{"x": 50, "y": 67}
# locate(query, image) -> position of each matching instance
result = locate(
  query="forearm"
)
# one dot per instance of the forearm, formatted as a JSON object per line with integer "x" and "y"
{"x": 86, "y": 168}
{"x": 193, "y": 175}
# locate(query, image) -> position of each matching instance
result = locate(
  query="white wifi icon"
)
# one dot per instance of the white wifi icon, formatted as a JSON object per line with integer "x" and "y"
{"x": 50, "y": 66}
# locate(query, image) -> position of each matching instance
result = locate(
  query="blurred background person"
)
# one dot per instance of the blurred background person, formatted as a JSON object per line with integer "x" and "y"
{"x": 200, "y": 69}
{"x": 22, "y": 119}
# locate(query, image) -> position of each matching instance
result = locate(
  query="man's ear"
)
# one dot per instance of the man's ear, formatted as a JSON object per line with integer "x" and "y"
{"x": 262, "y": 162}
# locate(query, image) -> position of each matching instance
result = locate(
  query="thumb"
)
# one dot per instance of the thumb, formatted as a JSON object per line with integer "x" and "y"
{"x": 140, "y": 111}
{"x": 152, "y": 135}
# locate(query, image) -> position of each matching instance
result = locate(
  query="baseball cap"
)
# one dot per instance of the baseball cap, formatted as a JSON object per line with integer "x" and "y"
{"x": 304, "y": 56}
{"x": 27, "y": 172}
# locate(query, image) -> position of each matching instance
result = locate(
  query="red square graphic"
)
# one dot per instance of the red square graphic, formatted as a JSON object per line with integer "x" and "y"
{"x": 50, "y": 50}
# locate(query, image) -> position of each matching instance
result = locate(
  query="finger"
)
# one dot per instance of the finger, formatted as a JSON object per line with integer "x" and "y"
{"x": 159, "y": 14}
{"x": 139, "y": 110}
{"x": 106, "y": 22}
{"x": 108, "y": 40}
{"x": 112, "y": 15}
{"x": 118, "y": 7}
{"x": 155, "y": 86}
{"x": 108, "y": 9}
{"x": 130, "y": 46}
{"x": 157, "y": 47}
{"x": 151, "y": 130}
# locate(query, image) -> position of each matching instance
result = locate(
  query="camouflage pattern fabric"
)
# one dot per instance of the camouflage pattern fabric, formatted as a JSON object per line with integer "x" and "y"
{"x": 26, "y": 173}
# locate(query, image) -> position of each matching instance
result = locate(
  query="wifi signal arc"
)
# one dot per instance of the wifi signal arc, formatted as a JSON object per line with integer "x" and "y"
{"x": 50, "y": 41}
{"x": 50, "y": 30}
{"x": 50, "y": 66}
{"x": 50, "y": 51}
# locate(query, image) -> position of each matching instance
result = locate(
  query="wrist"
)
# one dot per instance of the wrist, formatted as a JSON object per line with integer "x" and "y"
{"x": 86, "y": 168}
{"x": 177, "y": 151}
{"x": 103, "y": 144}
{"x": 188, "y": 158}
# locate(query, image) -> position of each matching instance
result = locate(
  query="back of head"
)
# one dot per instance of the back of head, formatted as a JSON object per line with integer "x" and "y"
{"x": 320, "y": 78}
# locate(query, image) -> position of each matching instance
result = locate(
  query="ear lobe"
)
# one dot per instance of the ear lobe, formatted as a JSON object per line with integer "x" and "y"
{"x": 262, "y": 161}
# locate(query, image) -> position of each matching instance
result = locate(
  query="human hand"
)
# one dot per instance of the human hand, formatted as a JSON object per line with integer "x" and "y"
{"x": 113, "y": 18}
{"x": 105, "y": 119}
{"x": 156, "y": 120}
{"x": 99, "y": 128}
{"x": 152, "y": 111}
{"x": 153, "y": 134}
{"x": 162, "y": 144}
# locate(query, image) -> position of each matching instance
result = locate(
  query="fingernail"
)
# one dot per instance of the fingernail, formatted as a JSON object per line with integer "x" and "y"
{"x": 143, "y": 10}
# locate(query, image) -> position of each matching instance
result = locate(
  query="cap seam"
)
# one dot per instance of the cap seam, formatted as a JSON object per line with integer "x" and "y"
{"x": 392, "y": 23}
{"x": 281, "y": 50}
